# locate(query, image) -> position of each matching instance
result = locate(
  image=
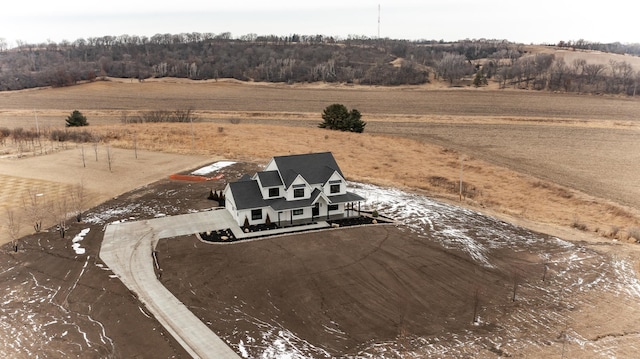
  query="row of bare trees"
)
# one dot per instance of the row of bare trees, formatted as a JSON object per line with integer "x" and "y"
{"x": 38, "y": 209}
{"x": 35, "y": 140}
{"x": 156, "y": 116}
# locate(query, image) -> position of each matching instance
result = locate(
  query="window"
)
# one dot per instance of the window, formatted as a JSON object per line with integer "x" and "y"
{"x": 256, "y": 214}
{"x": 298, "y": 212}
{"x": 298, "y": 192}
{"x": 335, "y": 188}
{"x": 274, "y": 192}
{"x": 333, "y": 207}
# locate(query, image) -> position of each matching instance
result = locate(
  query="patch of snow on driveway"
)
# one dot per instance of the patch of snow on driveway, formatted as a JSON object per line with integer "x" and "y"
{"x": 212, "y": 168}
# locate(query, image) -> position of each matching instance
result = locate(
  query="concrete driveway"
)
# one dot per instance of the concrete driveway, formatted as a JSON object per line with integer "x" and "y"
{"x": 127, "y": 250}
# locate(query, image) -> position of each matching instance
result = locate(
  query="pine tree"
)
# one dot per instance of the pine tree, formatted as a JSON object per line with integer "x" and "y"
{"x": 479, "y": 79}
{"x": 338, "y": 117}
{"x": 76, "y": 119}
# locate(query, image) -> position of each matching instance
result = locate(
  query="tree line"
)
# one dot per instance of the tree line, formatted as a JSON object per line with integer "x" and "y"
{"x": 304, "y": 58}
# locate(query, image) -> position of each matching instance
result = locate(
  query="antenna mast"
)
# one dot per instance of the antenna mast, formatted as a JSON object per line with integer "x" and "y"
{"x": 378, "y": 21}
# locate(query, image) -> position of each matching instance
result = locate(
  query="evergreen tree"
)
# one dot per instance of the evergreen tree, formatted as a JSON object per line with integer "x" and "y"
{"x": 479, "y": 79}
{"x": 338, "y": 117}
{"x": 76, "y": 119}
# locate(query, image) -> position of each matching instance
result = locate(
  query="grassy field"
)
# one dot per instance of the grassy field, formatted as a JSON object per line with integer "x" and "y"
{"x": 557, "y": 159}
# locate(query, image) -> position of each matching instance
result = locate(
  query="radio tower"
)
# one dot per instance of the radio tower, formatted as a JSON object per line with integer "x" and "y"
{"x": 378, "y": 21}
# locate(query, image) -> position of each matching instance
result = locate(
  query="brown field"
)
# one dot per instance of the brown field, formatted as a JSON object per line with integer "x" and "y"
{"x": 592, "y": 57}
{"x": 555, "y": 159}
{"x": 549, "y": 162}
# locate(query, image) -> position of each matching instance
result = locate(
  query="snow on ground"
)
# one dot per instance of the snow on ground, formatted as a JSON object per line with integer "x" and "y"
{"x": 103, "y": 215}
{"x": 454, "y": 227}
{"x": 77, "y": 239}
{"x": 578, "y": 273}
{"x": 32, "y": 319}
{"x": 276, "y": 342}
{"x": 212, "y": 168}
{"x": 577, "y": 270}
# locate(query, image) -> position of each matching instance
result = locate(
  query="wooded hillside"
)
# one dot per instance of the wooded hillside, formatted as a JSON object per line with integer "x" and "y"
{"x": 296, "y": 58}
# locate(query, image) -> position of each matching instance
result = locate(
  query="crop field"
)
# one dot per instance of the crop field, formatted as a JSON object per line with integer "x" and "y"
{"x": 557, "y": 159}
{"x": 516, "y": 214}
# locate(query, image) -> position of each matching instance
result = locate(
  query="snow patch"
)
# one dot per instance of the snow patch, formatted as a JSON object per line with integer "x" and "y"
{"x": 212, "y": 168}
{"x": 77, "y": 239}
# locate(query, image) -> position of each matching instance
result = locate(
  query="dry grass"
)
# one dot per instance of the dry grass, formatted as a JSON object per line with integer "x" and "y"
{"x": 54, "y": 175}
{"x": 575, "y": 141}
{"x": 388, "y": 161}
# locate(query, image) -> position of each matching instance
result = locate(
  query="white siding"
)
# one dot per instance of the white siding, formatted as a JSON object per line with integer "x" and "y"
{"x": 230, "y": 203}
{"x": 265, "y": 192}
{"x": 335, "y": 177}
{"x": 297, "y": 182}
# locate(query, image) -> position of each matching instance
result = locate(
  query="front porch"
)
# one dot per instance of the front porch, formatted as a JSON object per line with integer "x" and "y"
{"x": 283, "y": 223}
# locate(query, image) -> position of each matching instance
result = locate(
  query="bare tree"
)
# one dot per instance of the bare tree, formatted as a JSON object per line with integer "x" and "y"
{"x": 95, "y": 149}
{"x": 476, "y": 305}
{"x": 516, "y": 282}
{"x": 135, "y": 144}
{"x": 84, "y": 164}
{"x": 453, "y": 67}
{"x": 109, "y": 158}
{"x": 61, "y": 211}
{"x": 545, "y": 269}
{"x": 36, "y": 208}
{"x": 13, "y": 225}
{"x": 593, "y": 72}
{"x": 78, "y": 200}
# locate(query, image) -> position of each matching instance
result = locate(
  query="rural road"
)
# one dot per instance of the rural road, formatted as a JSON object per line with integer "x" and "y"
{"x": 127, "y": 251}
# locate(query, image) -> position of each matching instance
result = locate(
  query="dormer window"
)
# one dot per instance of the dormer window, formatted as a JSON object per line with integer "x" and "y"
{"x": 274, "y": 192}
{"x": 334, "y": 188}
{"x": 298, "y": 192}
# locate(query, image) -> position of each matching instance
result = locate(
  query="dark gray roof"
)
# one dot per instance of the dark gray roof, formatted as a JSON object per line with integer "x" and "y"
{"x": 344, "y": 198}
{"x": 314, "y": 167}
{"x": 247, "y": 194}
{"x": 270, "y": 178}
{"x": 281, "y": 204}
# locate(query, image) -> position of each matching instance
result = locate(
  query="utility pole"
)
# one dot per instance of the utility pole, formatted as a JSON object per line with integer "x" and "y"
{"x": 37, "y": 127}
{"x": 193, "y": 137}
{"x": 461, "y": 164}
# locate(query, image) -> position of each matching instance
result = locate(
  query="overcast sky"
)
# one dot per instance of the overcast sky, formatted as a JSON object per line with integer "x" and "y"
{"x": 542, "y": 21}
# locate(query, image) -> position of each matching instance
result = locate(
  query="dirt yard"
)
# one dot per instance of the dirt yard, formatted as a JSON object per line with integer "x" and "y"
{"x": 384, "y": 291}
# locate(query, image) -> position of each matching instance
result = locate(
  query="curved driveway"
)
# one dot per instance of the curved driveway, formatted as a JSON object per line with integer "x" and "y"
{"x": 127, "y": 250}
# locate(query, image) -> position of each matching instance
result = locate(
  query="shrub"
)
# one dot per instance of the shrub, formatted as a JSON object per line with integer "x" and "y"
{"x": 614, "y": 231}
{"x": 375, "y": 214}
{"x": 158, "y": 116}
{"x": 634, "y": 232}
{"x": 578, "y": 225}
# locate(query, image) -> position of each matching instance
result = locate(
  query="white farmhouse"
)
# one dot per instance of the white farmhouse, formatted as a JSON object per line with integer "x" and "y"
{"x": 292, "y": 190}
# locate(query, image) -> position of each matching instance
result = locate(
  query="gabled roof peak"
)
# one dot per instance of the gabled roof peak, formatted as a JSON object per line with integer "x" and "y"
{"x": 313, "y": 167}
